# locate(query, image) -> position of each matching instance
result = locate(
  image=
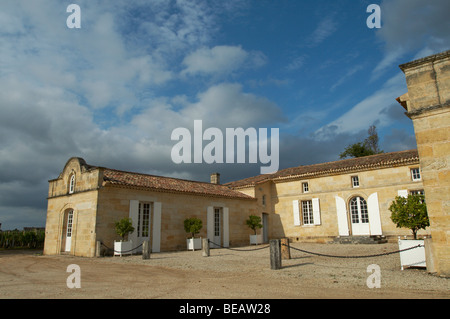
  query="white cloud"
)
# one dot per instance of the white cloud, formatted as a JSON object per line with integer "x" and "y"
{"x": 327, "y": 26}
{"x": 221, "y": 60}
{"x": 346, "y": 76}
{"x": 412, "y": 26}
{"x": 367, "y": 112}
{"x": 296, "y": 63}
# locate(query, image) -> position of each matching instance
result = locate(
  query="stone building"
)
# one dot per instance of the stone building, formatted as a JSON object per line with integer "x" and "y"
{"x": 306, "y": 203}
{"x": 85, "y": 201}
{"x": 427, "y": 103}
{"x": 347, "y": 199}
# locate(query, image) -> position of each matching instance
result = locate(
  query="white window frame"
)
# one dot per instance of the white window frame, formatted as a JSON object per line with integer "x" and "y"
{"x": 415, "y": 174}
{"x": 217, "y": 223}
{"x": 305, "y": 187}
{"x": 143, "y": 222}
{"x": 359, "y": 212}
{"x": 72, "y": 184}
{"x": 355, "y": 181}
{"x": 307, "y": 212}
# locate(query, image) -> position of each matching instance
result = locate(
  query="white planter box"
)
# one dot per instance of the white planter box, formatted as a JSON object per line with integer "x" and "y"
{"x": 414, "y": 257}
{"x": 194, "y": 243}
{"x": 123, "y": 248}
{"x": 256, "y": 239}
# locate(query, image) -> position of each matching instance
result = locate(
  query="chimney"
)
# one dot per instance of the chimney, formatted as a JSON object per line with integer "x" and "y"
{"x": 215, "y": 178}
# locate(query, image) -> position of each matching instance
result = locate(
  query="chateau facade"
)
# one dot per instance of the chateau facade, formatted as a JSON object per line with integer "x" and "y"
{"x": 338, "y": 199}
{"x": 307, "y": 203}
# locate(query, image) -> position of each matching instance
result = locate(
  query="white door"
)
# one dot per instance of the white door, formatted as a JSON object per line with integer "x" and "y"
{"x": 143, "y": 225}
{"x": 217, "y": 227}
{"x": 69, "y": 231}
{"x": 360, "y": 216}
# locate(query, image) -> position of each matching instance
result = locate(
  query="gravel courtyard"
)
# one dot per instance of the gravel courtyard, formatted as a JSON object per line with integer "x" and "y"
{"x": 225, "y": 274}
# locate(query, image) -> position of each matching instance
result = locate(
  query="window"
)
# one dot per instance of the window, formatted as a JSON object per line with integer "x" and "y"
{"x": 305, "y": 187}
{"x": 355, "y": 181}
{"x": 358, "y": 210}
{"x": 418, "y": 192}
{"x": 415, "y": 174}
{"x": 264, "y": 200}
{"x": 69, "y": 223}
{"x": 307, "y": 212}
{"x": 217, "y": 222}
{"x": 72, "y": 184}
{"x": 143, "y": 224}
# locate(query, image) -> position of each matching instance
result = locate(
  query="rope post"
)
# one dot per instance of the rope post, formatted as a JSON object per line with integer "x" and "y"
{"x": 97, "y": 248}
{"x": 275, "y": 254}
{"x": 285, "y": 249}
{"x": 205, "y": 247}
{"x": 145, "y": 250}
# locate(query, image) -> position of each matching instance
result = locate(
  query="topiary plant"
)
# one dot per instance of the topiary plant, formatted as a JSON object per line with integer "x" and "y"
{"x": 410, "y": 212}
{"x": 254, "y": 222}
{"x": 193, "y": 225}
{"x": 124, "y": 227}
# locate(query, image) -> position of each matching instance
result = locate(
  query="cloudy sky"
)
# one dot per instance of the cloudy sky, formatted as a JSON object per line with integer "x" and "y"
{"x": 113, "y": 90}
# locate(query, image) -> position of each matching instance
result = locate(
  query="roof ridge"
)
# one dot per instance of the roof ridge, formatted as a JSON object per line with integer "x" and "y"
{"x": 160, "y": 176}
{"x": 354, "y": 162}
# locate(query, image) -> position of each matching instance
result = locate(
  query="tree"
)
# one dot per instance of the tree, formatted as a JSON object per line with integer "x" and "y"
{"x": 124, "y": 227}
{"x": 254, "y": 222}
{"x": 366, "y": 148}
{"x": 193, "y": 225}
{"x": 410, "y": 212}
{"x": 372, "y": 140}
{"x": 356, "y": 150}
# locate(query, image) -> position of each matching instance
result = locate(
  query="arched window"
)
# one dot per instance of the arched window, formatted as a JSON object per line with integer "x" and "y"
{"x": 358, "y": 210}
{"x": 72, "y": 184}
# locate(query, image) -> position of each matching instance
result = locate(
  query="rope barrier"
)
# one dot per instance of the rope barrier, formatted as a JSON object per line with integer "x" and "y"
{"x": 365, "y": 256}
{"x": 122, "y": 252}
{"x": 237, "y": 249}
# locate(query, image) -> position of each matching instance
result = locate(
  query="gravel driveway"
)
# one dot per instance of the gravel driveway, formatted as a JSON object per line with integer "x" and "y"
{"x": 237, "y": 273}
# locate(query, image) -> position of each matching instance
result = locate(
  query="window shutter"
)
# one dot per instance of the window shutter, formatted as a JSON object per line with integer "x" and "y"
{"x": 295, "y": 206}
{"x": 226, "y": 229}
{"x": 133, "y": 214}
{"x": 316, "y": 211}
{"x": 342, "y": 216}
{"x": 156, "y": 240}
{"x": 374, "y": 214}
{"x": 403, "y": 193}
{"x": 210, "y": 224}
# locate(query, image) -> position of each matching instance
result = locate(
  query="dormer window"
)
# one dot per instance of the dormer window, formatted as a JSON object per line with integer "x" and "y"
{"x": 305, "y": 187}
{"x": 355, "y": 181}
{"x": 415, "y": 174}
{"x": 72, "y": 184}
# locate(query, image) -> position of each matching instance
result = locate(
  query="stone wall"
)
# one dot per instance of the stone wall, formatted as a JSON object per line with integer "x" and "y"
{"x": 385, "y": 182}
{"x": 428, "y": 105}
{"x": 114, "y": 204}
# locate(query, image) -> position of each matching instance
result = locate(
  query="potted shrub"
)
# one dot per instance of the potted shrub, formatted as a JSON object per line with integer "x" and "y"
{"x": 410, "y": 212}
{"x": 254, "y": 222}
{"x": 123, "y": 228}
{"x": 193, "y": 226}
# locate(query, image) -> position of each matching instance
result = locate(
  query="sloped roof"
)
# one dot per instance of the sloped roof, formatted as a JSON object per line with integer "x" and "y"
{"x": 330, "y": 168}
{"x": 168, "y": 184}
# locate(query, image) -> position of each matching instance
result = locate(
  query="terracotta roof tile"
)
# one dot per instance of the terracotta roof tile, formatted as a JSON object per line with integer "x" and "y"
{"x": 337, "y": 167}
{"x": 169, "y": 184}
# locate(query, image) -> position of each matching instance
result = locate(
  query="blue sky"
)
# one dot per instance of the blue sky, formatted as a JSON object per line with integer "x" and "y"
{"x": 112, "y": 91}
